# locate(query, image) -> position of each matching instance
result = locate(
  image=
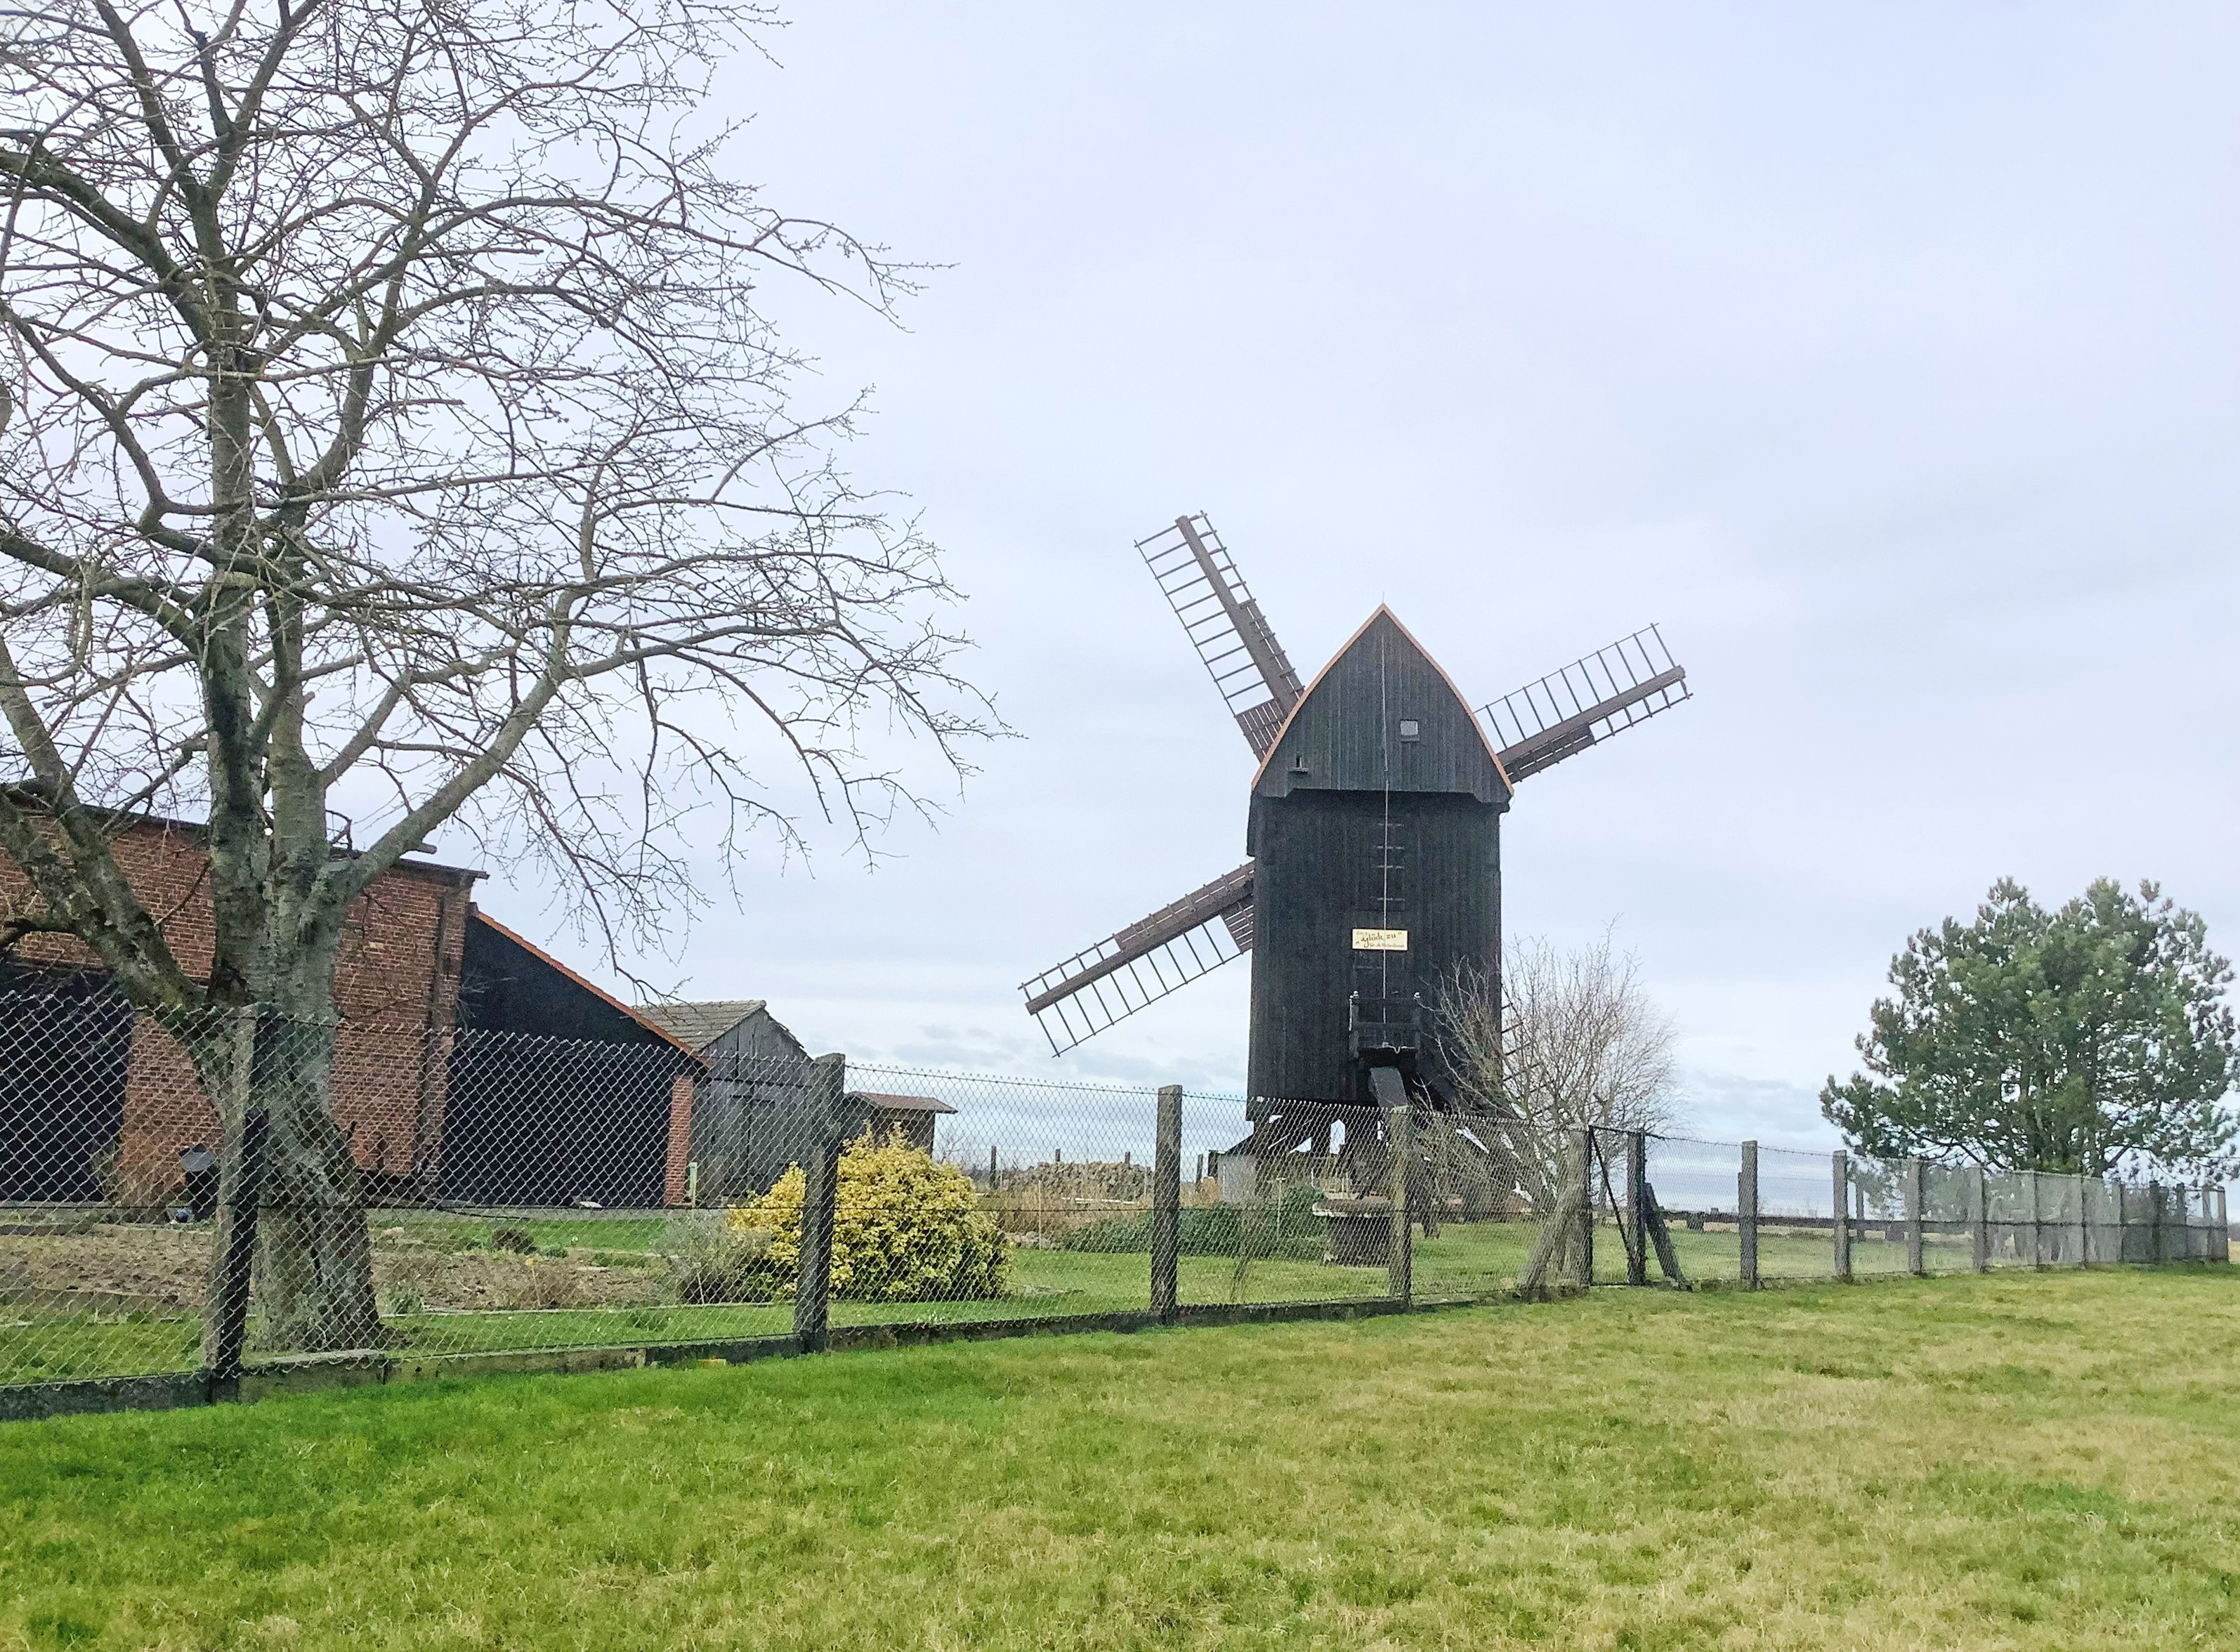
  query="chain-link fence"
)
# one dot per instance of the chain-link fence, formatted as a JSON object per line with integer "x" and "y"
{"x": 235, "y": 1194}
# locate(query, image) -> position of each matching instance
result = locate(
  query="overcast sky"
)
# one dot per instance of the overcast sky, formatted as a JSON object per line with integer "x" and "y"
{"x": 1885, "y": 357}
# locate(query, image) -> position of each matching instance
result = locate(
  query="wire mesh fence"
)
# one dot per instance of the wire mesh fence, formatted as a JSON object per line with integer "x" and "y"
{"x": 220, "y": 1192}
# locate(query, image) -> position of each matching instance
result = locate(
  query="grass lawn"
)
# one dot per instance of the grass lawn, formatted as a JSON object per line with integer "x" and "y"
{"x": 2021, "y": 1461}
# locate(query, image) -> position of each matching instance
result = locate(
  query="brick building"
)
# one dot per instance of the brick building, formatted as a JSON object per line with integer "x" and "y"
{"x": 97, "y": 1102}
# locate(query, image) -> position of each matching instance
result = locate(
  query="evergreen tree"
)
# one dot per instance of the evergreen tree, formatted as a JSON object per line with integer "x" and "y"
{"x": 2092, "y": 1039}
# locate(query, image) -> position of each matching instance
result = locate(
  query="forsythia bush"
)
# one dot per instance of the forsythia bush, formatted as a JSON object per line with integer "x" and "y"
{"x": 905, "y": 1228}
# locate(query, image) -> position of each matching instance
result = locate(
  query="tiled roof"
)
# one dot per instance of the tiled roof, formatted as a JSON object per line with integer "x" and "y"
{"x": 700, "y": 1024}
{"x": 882, "y": 1103}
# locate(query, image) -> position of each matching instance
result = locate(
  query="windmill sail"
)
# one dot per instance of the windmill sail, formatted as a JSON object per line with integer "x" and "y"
{"x": 1588, "y": 701}
{"x": 1225, "y": 625}
{"x": 1143, "y": 963}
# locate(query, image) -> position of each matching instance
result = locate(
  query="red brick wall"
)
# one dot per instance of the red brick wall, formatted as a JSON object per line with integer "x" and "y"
{"x": 396, "y": 985}
{"x": 680, "y": 1141}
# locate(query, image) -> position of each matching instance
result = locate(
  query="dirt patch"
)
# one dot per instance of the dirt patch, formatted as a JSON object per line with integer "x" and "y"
{"x": 158, "y": 1269}
{"x": 407, "y": 1274}
{"x": 162, "y": 1269}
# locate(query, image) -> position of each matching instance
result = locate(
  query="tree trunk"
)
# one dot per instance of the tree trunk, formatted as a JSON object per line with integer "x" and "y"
{"x": 313, "y": 1281}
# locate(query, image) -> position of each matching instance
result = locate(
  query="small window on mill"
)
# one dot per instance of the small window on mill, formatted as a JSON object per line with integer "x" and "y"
{"x": 1410, "y": 730}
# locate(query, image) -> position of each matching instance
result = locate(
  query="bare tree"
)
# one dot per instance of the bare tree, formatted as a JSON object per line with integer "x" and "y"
{"x": 393, "y": 435}
{"x": 1565, "y": 1040}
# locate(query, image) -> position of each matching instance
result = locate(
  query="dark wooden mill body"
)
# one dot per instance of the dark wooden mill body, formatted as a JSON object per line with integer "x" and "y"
{"x": 1375, "y": 835}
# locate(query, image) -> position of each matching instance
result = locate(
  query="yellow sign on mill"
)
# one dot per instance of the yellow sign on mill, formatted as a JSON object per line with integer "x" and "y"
{"x": 1380, "y": 940}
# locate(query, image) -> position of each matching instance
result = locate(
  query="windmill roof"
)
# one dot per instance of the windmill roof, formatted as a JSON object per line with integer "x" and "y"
{"x": 701, "y": 1024}
{"x": 1346, "y": 746}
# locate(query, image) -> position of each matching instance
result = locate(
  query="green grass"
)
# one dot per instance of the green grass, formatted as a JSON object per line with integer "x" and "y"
{"x": 2043, "y": 1461}
{"x": 447, "y": 1231}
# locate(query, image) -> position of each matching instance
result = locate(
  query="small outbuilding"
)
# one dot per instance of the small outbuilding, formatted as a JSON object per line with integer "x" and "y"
{"x": 751, "y": 1118}
{"x": 914, "y": 1116}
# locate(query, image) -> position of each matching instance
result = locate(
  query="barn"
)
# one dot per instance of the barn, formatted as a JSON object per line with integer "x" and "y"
{"x": 558, "y": 1093}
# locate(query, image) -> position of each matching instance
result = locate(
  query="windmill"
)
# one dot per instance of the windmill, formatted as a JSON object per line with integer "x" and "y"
{"x": 1374, "y": 833}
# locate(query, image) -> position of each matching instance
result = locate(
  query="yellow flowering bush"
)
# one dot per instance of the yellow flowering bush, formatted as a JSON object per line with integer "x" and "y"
{"x": 906, "y": 1228}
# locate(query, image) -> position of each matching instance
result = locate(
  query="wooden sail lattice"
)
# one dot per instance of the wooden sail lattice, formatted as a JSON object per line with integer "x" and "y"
{"x": 1563, "y": 713}
{"x": 1143, "y": 963}
{"x": 1201, "y": 583}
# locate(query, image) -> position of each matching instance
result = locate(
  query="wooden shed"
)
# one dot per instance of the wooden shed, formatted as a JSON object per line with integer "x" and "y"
{"x": 914, "y": 1116}
{"x": 751, "y": 1119}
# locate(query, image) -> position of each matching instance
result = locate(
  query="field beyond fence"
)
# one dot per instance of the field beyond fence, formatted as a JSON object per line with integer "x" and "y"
{"x": 533, "y": 1199}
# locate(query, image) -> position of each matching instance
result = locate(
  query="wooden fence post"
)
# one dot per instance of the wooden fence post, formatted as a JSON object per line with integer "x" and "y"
{"x": 240, "y": 1195}
{"x": 812, "y": 1290}
{"x": 1840, "y": 1229}
{"x": 1746, "y": 1208}
{"x": 2155, "y": 1251}
{"x": 2221, "y": 1235}
{"x": 1979, "y": 1236}
{"x": 1635, "y": 1230}
{"x": 1583, "y": 1144}
{"x": 1917, "y": 1262}
{"x": 1399, "y": 1283}
{"x": 2037, "y": 1223}
{"x": 1166, "y": 1204}
{"x": 2084, "y": 1226}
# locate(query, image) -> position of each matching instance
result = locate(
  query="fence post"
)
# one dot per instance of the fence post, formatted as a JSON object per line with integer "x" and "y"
{"x": 1980, "y": 1220}
{"x": 1635, "y": 1230}
{"x": 2037, "y": 1223}
{"x": 812, "y": 1290}
{"x": 1166, "y": 1204}
{"x": 1746, "y": 1207}
{"x": 2084, "y": 1226}
{"x": 1399, "y": 1280}
{"x": 2155, "y": 1243}
{"x": 2221, "y": 1238}
{"x": 1840, "y": 1229}
{"x": 1582, "y": 1142}
{"x": 241, "y": 1194}
{"x": 1917, "y": 1262}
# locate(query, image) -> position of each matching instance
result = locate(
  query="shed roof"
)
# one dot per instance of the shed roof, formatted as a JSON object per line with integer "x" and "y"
{"x": 879, "y": 1101}
{"x": 701, "y": 1024}
{"x": 586, "y": 983}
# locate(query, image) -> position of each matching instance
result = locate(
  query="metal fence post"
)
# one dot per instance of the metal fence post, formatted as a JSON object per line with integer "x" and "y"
{"x": 1917, "y": 1262}
{"x": 1399, "y": 1279}
{"x": 1166, "y": 1204}
{"x": 1746, "y": 1219}
{"x": 812, "y": 1290}
{"x": 1980, "y": 1220}
{"x": 241, "y": 1194}
{"x": 1840, "y": 1229}
{"x": 1582, "y": 1142}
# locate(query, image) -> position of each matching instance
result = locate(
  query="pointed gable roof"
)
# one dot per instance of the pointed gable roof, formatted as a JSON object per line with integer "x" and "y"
{"x": 1345, "y": 733}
